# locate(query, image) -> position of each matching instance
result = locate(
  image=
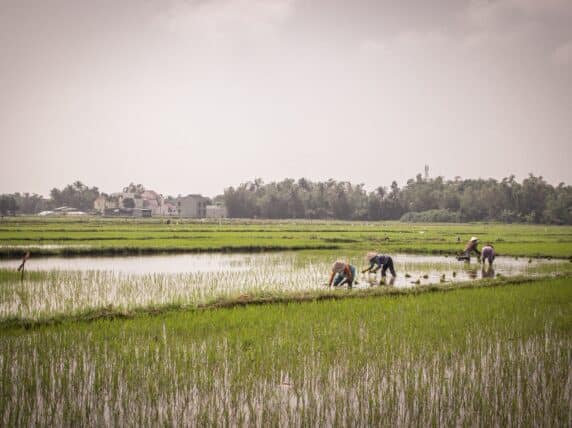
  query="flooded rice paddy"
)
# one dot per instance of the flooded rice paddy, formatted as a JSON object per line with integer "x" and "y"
{"x": 72, "y": 285}
{"x": 313, "y": 267}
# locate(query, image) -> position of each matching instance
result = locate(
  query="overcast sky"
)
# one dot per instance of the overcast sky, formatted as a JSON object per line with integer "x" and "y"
{"x": 194, "y": 96}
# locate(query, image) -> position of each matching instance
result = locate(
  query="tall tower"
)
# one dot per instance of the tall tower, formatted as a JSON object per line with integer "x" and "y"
{"x": 426, "y": 172}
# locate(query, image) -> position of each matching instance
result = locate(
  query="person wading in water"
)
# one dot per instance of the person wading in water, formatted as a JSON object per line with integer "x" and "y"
{"x": 342, "y": 273}
{"x": 379, "y": 261}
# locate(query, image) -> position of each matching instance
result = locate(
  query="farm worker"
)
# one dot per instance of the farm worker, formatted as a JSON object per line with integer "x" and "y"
{"x": 382, "y": 262}
{"x": 471, "y": 247}
{"x": 342, "y": 273}
{"x": 488, "y": 253}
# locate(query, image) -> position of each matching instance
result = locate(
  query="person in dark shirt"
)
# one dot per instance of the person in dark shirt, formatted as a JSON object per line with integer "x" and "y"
{"x": 379, "y": 261}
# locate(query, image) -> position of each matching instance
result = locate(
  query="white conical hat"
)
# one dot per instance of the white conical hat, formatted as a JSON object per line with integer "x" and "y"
{"x": 474, "y": 238}
{"x": 339, "y": 266}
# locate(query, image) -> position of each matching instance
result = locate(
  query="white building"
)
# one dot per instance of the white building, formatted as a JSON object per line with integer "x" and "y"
{"x": 147, "y": 200}
{"x": 216, "y": 211}
{"x": 168, "y": 209}
{"x": 192, "y": 206}
{"x": 100, "y": 203}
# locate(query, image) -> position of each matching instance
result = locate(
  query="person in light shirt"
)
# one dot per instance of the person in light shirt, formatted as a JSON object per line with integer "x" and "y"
{"x": 342, "y": 273}
{"x": 471, "y": 247}
{"x": 488, "y": 254}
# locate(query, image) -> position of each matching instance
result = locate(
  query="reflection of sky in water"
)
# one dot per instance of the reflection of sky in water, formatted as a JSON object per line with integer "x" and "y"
{"x": 180, "y": 263}
{"x": 422, "y": 269}
{"x": 46, "y": 246}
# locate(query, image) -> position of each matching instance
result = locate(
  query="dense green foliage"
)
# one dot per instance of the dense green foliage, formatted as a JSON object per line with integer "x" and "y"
{"x": 25, "y": 203}
{"x": 76, "y": 195}
{"x": 484, "y": 356}
{"x": 532, "y": 201}
{"x": 422, "y": 199}
{"x": 432, "y": 216}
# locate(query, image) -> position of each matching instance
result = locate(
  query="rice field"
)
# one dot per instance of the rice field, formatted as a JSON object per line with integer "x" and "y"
{"x": 100, "y": 236}
{"x": 170, "y": 335}
{"x": 193, "y": 280}
{"x": 480, "y": 357}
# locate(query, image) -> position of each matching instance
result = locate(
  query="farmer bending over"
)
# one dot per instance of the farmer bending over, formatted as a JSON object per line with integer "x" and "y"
{"x": 379, "y": 261}
{"x": 488, "y": 253}
{"x": 471, "y": 247}
{"x": 342, "y": 273}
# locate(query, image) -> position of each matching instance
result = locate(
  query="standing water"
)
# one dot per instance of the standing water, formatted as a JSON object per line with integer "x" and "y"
{"x": 69, "y": 285}
{"x": 410, "y": 268}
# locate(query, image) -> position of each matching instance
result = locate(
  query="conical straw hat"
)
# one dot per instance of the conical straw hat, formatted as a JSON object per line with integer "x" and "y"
{"x": 338, "y": 266}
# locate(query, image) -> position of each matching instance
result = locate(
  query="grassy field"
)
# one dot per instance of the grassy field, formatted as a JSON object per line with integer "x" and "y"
{"x": 490, "y": 356}
{"x": 93, "y": 236}
{"x": 275, "y": 347}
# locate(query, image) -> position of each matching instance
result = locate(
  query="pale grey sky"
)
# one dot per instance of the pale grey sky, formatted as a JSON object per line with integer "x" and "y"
{"x": 195, "y": 96}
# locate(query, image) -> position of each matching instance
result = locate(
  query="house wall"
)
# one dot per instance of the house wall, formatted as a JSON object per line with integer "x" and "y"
{"x": 216, "y": 211}
{"x": 192, "y": 206}
{"x": 99, "y": 204}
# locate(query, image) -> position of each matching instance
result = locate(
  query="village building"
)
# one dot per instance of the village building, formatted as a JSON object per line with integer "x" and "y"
{"x": 68, "y": 211}
{"x": 216, "y": 211}
{"x": 100, "y": 204}
{"x": 106, "y": 203}
{"x": 144, "y": 204}
{"x": 141, "y": 212}
{"x": 168, "y": 209}
{"x": 192, "y": 206}
{"x": 150, "y": 203}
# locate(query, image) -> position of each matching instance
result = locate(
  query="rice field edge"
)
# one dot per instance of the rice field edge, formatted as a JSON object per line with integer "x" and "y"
{"x": 111, "y": 312}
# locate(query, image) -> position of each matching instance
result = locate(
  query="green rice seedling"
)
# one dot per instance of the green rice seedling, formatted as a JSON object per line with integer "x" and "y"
{"x": 359, "y": 362}
{"x": 48, "y": 294}
{"x": 96, "y": 236}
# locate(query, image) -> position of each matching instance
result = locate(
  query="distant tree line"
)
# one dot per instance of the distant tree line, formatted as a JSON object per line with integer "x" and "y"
{"x": 76, "y": 195}
{"x": 422, "y": 199}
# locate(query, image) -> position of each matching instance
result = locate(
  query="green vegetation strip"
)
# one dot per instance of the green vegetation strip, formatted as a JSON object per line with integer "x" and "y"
{"x": 484, "y": 356}
{"x": 252, "y": 299}
{"x": 11, "y": 253}
{"x": 122, "y": 237}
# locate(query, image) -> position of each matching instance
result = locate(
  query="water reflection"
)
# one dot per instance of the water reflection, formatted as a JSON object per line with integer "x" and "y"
{"x": 372, "y": 280}
{"x": 487, "y": 272}
{"x": 310, "y": 269}
{"x": 391, "y": 281}
{"x": 471, "y": 270}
